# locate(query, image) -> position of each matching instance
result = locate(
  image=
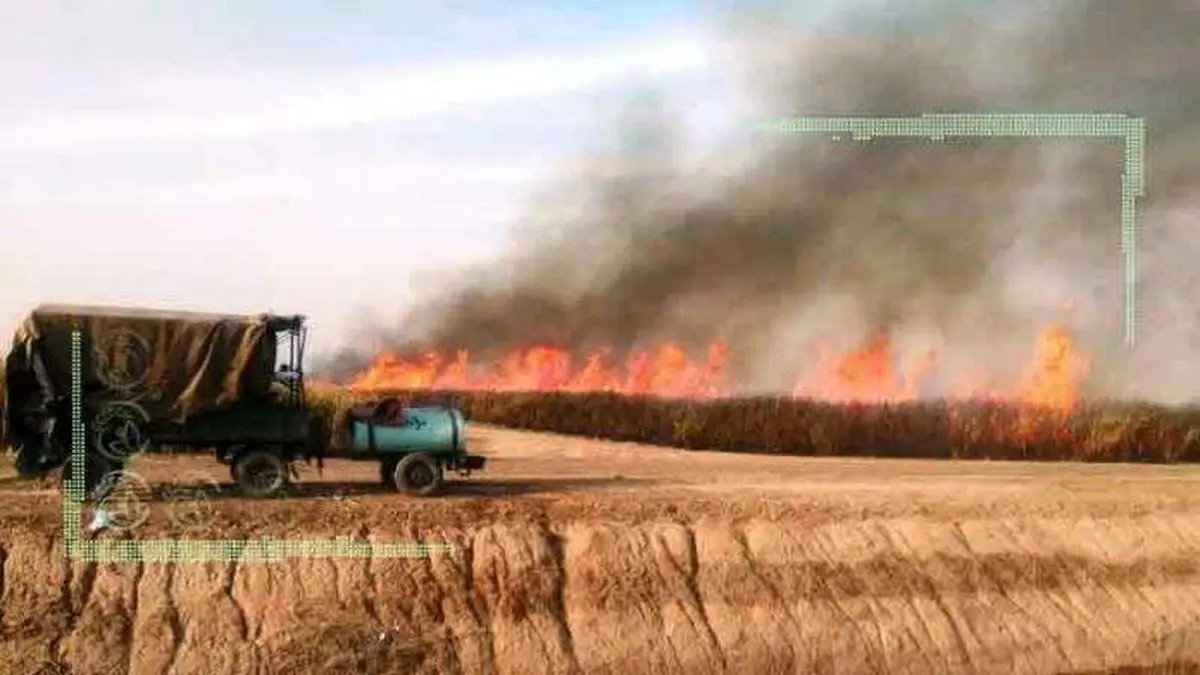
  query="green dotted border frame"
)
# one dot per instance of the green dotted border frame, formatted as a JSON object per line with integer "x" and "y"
{"x": 197, "y": 551}
{"x": 939, "y": 127}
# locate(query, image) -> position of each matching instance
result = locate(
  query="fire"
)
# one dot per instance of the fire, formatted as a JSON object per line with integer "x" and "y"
{"x": 1057, "y": 371}
{"x": 666, "y": 371}
{"x": 867, "y": 374}
{"x": 873, "y": 372}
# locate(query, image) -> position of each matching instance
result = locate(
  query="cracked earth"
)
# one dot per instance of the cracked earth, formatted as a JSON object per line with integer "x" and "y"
{"x": 582, "y": 556}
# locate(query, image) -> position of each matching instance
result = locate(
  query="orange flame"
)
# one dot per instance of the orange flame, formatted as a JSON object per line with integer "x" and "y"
{"x": 867, "y": 374}
{"x": 666, "y": 371}
{"x": 870, "y": 373}
{"x": 1058, "y": 370}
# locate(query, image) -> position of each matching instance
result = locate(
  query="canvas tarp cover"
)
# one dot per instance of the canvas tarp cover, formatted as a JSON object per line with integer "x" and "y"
{"x": 174, "y": 365}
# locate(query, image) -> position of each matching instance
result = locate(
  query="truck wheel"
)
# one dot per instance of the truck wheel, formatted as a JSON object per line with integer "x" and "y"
{"x": 387, "y": 473}
{"x": 418, "y": 474}
{"x": 260, "y": 473}
{"x": 230, "y": 457}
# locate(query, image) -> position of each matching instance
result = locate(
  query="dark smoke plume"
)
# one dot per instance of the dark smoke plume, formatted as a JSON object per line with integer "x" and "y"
{"x": 970, "y": 243}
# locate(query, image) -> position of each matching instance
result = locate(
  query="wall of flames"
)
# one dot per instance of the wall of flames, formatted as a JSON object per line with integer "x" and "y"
{"x": 871, "y": 373}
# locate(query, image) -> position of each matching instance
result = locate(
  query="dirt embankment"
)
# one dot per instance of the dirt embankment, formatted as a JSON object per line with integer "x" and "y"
{"x": 851, "y": 574}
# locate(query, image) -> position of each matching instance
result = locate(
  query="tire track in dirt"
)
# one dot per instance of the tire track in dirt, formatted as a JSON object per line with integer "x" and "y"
{"x": 596, "y": 597}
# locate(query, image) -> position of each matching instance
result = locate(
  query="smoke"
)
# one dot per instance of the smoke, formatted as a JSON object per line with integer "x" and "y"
{"x": 967, "y": 244}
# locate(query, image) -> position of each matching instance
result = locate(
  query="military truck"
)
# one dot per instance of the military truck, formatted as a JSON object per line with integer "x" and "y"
{"x": 230, "y": 383}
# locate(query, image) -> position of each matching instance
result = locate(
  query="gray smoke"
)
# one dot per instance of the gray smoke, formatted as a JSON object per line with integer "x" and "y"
{"x": 970, "y": 244}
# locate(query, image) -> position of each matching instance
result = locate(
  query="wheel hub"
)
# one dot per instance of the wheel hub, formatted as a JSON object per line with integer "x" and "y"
{"x": 262, "y": 474}
{"x": 419, "y": 475}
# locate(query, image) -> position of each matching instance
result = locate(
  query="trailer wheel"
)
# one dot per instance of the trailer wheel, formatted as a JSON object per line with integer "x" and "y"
{"x": 387, "y": 473}
{"x": 418, "y": 474}
{"x": 260, "y": 472}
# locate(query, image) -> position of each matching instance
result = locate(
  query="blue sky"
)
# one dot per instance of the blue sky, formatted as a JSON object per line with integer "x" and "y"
{"x": 310, "y": 156}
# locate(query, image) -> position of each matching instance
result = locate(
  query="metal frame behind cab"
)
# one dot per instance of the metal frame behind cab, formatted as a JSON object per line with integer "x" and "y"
{"x": 294, "y": 331}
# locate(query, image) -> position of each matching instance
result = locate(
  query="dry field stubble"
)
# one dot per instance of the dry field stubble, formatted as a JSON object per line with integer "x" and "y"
{"x": 590, "y": 556}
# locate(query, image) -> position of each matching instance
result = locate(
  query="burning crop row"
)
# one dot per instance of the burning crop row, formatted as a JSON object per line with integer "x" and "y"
{"x": 871, "y": 373}
{"x": 861, "y": 402}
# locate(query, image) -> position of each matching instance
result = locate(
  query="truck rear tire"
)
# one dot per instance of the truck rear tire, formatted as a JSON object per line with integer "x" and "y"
{"x": 418, "y": 474}
{"x": 260, "y": 472}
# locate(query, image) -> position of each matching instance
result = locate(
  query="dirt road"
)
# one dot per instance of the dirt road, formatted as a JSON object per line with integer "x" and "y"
{"x": 595, "y": 557}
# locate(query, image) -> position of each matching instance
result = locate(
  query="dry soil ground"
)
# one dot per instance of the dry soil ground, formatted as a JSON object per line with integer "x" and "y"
{"x": 579, "y": 556}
